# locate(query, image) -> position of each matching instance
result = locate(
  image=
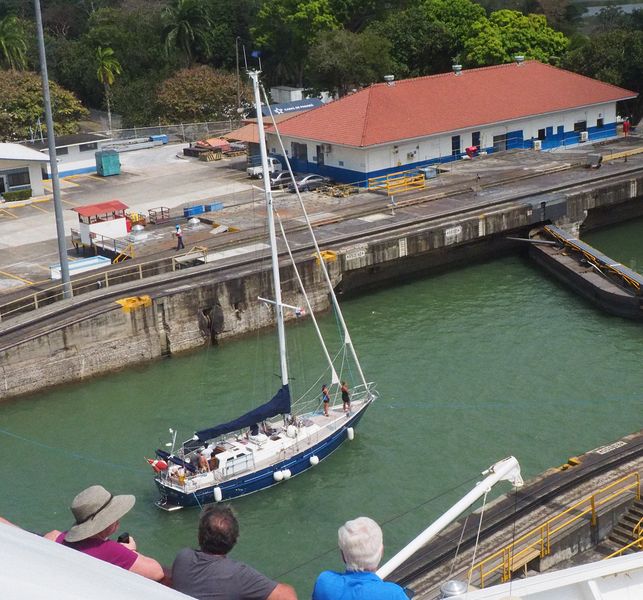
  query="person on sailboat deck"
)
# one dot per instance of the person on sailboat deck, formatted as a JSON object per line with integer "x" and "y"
{"x": 98, "y": 514}
{"x": 346, "y": 399}
{"x": 361, "y": 545}
{"x": 208, "y": 573}
{"x": 326, "y": 400}
{"x": 204, "y": 467}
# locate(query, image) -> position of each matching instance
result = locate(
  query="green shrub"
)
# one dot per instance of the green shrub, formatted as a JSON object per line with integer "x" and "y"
{"x": 17, "y": 195}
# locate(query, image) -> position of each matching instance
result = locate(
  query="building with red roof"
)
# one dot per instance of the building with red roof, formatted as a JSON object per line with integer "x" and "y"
{"x": 405, "y": 124}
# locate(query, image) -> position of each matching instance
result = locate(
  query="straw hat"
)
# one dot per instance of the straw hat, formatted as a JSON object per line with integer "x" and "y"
{"x": 95, "y": 509}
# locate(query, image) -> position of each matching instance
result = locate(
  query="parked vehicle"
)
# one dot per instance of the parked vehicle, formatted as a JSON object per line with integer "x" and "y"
{"x": 308, "y": 183}
{"x": 280, "y": 180}
{"x": 255, "y": 170}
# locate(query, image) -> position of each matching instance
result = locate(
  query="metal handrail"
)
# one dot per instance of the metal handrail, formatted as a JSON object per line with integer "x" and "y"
{"x": 638, "y": 542}
{"x": 539, "y": 539}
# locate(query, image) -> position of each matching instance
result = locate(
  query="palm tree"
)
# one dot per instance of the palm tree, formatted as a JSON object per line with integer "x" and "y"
{"x": 186, "y": 27}
{"x": 13, "y": 47}
{"x": 108, "y": 69}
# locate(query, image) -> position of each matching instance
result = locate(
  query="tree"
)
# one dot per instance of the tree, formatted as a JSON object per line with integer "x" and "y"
{"x": 200, "y": 94}
{"x": 13, "y": 45}
{"x": 108, "y": 69}
{"x": 21, "y": 105}
{"x": 186, "y": 28}
{"x": 341, "y": 60}
{"x": 615, "y": 57}
{"x": 507, "y": 33}
{"x": 286, "y": 29}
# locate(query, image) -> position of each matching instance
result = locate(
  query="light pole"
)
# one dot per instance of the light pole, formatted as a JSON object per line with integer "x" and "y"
{"x": 236, "y": 51}
{"x": 53, "y": 163}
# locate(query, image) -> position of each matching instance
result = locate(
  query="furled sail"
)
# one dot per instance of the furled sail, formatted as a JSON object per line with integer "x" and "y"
{"x": 279, "y": 404}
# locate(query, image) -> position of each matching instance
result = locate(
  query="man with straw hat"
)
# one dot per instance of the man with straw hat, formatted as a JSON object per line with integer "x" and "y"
{"x": 98, "y": 514}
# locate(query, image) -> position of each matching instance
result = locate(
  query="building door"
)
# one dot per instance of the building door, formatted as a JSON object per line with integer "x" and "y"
{"x": 499, "y": 142}
{"x": 3, "y": 185}
{"x": 320, "y": 156}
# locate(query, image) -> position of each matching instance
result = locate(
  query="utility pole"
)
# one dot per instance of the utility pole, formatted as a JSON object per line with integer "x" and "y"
{"x": 53, "y": 162}
{"x": 236, "y": 51}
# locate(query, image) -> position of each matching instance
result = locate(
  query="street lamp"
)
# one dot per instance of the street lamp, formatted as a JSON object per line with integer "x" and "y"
{"x": 236, "y": 51}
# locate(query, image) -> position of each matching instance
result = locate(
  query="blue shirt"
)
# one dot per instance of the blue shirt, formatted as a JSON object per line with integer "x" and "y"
{"x": 355, "y": 585}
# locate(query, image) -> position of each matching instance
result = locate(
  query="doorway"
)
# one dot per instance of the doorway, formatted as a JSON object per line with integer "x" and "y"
{"x": 3, "y": 185}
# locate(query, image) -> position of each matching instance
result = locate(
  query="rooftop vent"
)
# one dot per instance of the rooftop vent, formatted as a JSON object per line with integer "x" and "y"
{"x": 519, "y": 58}
{"x": 457, "y": 69}
{"x": 390, "y": 79}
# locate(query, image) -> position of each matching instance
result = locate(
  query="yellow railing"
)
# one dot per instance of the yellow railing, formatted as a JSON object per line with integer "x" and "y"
{"x": 125, "y": 253}
{"x": 538, "y": 541}
{"x": 638, "y": 543}
{"x": 394, "y": 183}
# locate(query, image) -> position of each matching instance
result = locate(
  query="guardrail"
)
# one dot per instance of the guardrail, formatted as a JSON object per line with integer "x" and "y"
{"x": 538, "y": 541}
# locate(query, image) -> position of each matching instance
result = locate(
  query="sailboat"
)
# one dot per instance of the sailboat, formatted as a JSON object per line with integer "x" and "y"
{"x": 280, "y": 438}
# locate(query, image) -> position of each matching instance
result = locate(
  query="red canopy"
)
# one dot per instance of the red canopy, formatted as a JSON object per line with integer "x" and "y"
{"x": 102, "y": 208}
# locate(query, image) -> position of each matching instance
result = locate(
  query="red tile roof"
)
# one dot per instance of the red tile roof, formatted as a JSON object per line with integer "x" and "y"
{"x": 102, "y": 208}
{"x": 413, "y": 108}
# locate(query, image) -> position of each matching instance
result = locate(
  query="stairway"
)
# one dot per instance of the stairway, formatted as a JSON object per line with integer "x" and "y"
{"x": 623, "y": 532}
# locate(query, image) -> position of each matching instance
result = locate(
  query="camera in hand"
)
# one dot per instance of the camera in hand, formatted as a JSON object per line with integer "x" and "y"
{"x": 123, "y": 538}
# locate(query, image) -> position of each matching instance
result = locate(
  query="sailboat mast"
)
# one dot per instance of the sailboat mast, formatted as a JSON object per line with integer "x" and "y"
{"x": 281, "y": 332}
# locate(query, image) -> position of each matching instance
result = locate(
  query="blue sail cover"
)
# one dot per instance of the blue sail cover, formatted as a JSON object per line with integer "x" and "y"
{"x": 278, "y": 405}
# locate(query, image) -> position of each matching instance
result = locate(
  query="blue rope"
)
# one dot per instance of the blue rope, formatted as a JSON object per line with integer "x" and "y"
{"x": 74, "y": 455}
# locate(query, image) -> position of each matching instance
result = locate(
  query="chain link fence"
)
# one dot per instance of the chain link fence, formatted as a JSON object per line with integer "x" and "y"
{"x": 183, "y": 132}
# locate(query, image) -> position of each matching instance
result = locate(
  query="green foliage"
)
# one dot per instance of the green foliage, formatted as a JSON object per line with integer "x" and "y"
{"x": 200, "y": 94}
{"x": 13, "y": 45}
{"x": 419, "y": 46}
{"x": 614, "y": 57}
{"x": 507, "y": 33}
{"x": 186, "y": 25}
{"x": 356, "y": 15}
{"x": 340, "y": 60}
{"x": 21, "y": 105}
{"x": 108, "y": 66}
{"x": 286, "y": 29}
{"x": 16, "y": 195}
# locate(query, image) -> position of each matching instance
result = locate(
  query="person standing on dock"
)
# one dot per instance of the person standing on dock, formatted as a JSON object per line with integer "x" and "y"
{"x": 361, "y": 546}
{"x": 179, "y": 238}
{"x": 208, "y": 573}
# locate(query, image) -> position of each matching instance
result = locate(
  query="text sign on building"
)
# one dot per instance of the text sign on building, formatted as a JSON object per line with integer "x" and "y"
{"x": 355, "y": 252}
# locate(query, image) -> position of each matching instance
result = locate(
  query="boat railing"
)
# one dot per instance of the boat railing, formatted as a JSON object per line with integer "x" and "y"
{"x": 538, "y": 541}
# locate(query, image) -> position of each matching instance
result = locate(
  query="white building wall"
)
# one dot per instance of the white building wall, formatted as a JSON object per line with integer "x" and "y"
{"x": 35, "y": 173}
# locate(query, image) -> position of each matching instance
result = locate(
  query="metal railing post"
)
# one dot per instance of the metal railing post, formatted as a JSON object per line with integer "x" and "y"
{"x": 593, "y": 504}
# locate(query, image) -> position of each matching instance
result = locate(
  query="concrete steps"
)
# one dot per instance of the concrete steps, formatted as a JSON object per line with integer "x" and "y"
{"x": 623, "y": 532}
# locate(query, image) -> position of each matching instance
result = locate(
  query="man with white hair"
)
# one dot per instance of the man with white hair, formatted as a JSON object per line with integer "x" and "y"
{"x": 360, "y": 542}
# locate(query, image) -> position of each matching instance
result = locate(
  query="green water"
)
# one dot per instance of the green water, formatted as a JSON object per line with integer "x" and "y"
{"x": 472, "y": 366}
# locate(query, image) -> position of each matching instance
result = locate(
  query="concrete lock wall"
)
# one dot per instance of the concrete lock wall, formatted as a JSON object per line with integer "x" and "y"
{"x": 204, "y": 310}
{"x": 188, "y": 318}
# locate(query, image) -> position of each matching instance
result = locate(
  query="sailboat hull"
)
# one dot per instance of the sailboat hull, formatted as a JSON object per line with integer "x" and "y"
{"x": 172, "y": 498}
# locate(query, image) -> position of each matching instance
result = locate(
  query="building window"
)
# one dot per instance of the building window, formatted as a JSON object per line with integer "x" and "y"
{"x": 455, "y": 145}
{"x": 88, "y": 147}
{"x": 580, "y": 126}
{"x": 19, "y": 178}
{"x": 341, "y": 163}
{"x": 299, "y": 151}
{"x": 62, "y": 151}
{"x": 541, "y": 134}
{"x": 599, "y": 123}
{"x": 475, "y": 139}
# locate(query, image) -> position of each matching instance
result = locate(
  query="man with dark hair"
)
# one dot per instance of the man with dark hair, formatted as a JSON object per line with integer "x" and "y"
{"x": 208, "y": 574}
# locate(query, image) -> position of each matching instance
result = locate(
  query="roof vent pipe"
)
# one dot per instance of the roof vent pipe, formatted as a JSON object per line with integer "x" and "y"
{"x": 519, "y": 58}
{"x": 457, "y": 69}
{"x": 390, "y": 79}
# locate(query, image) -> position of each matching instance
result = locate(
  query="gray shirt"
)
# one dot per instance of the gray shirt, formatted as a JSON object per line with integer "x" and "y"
{"x": 209, "y": 577}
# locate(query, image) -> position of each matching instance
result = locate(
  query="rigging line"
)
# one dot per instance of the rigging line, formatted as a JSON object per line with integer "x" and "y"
{"x": 475, "y": 547}
{"x": 322, "y": 264}
{"x": 75, "y": 455}
{"x": 385, "y": 522}
{"x": 457, "y": 548}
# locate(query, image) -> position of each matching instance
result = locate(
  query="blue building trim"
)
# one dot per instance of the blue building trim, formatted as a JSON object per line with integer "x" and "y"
{"x": 80, "y": 171}
{"x": 554, "y": 138}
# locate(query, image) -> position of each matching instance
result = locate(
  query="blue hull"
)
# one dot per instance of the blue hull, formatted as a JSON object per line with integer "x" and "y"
{"x": 258, "y": 480}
